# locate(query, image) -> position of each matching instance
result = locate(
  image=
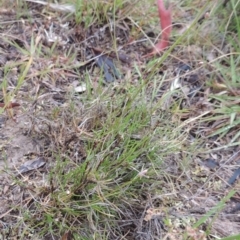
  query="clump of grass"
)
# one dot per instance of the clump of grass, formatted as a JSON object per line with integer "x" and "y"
{"x": 89, "y": 196}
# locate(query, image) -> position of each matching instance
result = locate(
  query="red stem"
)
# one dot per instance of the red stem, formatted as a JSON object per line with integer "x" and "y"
{"x": 10, "y": 105}
{"x": 166, "y": 26}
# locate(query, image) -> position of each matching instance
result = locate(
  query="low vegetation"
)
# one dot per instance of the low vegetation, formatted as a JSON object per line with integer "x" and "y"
{"x": 103, "y": 138}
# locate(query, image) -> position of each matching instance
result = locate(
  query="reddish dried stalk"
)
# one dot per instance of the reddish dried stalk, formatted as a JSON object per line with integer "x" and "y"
{"x": 166, "y": 26}
{"x": 10, "y": 105}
